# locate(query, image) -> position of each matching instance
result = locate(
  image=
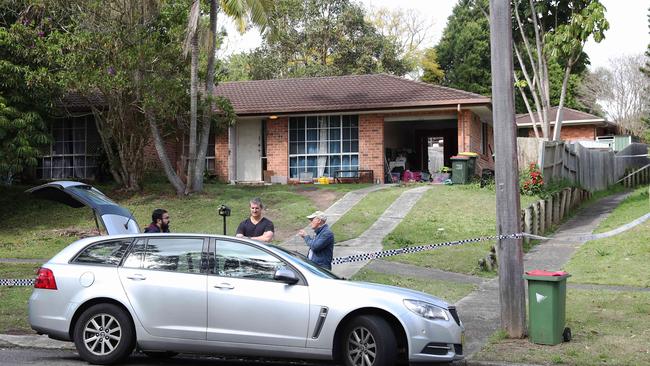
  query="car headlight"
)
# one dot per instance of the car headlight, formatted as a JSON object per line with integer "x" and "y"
{"x": 426, "y": 310}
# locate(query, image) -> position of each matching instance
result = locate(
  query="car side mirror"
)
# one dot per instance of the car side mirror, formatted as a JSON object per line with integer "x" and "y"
{"x": 287, "y": 276}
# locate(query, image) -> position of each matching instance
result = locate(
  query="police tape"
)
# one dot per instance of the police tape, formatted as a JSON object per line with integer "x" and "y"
{"x": 574, "y": 237}
{"x": 420, "y": 248}
{"x": 16, "y": 282}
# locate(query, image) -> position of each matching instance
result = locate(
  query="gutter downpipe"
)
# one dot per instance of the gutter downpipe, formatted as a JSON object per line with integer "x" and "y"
{"x": 462, "y": 133}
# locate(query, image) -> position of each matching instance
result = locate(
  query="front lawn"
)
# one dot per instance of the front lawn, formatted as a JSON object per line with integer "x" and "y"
{"x": 621, "y": 259}
{"x": 360, "y": 217}
{"x": 13, "y": 300}
{"x": 608, "y": 328}
{"x": 449, "y": 213}
{"x": 34, "y": 228}
{"x": 448, "y": 291}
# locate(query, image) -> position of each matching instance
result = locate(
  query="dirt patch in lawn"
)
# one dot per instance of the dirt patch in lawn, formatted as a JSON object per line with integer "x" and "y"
{"x": 321, "y": 198}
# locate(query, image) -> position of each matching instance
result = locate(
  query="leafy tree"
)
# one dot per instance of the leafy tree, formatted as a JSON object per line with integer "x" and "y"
{"x": 127, "y": 51}
{"x": 321, "y": 38}
{"x": 409, "y": 29}
{"x": 432, "y": 73}
{"x": 464, "y": 49}
{"x": 256, "y": 11}
{"x": 27, "y": 87}
{"x": 552, "y": 32}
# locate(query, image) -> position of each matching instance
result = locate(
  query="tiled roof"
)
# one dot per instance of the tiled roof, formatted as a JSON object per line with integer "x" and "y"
{"x": 339, "y": 94}
{"x": 74, "y": 101}
{"x": 568, "y": 115}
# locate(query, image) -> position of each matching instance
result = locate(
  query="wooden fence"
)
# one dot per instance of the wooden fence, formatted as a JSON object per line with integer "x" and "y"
{"x": 591, "y": 169}
{"x": 540, "y": 216}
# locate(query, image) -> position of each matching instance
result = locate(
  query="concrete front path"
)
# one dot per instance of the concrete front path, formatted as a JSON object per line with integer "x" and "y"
{"x": 480, "y": 310}
{"x": 371, "y": 239}
{"x": 333, "y": 213}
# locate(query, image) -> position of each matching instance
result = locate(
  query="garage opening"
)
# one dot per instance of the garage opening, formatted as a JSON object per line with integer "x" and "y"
{"x": 420, "y": 146}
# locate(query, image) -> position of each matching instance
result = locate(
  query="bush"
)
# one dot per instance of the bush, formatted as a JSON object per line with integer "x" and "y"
{"x": 531, "y": 182}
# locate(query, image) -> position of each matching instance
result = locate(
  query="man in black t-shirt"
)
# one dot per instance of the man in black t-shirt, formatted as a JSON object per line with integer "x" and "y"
{"x": 256, "y": 227}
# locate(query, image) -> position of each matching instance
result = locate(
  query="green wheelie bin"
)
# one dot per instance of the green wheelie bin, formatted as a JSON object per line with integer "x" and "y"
{"x": 547, "y": 307}
{"x": 459, "y": 169}
{"x": 471, "y": 163}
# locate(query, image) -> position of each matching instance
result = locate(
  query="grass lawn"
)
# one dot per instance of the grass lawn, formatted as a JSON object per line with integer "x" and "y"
{"x": 449, "y": 213}
{"x": 35, "y": 228}
{"x": 621, "y": 259}
{"x": 365, "y": 213}
{"x": 606, "y": 331}
{"x": 13, "y": 300}
{"x": 448, "y": 291}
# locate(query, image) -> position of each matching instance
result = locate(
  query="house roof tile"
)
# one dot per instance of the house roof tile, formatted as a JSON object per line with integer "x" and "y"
{"x": 340, "y": 94}
{"x": 569, "y": 116}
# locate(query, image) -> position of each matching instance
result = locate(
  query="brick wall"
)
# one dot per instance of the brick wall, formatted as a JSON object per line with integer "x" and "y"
{"x": 469, "y": 139}
{"x": 277, "y": 146}
{"x": 173, "y": 149}
{"x": 573, "y": 133}
{"x": 371, "y": 144}
{"x": 221, "y": 153}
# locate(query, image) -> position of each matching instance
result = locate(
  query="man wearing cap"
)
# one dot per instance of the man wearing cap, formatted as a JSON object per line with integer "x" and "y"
{"x": 321, "y": 245}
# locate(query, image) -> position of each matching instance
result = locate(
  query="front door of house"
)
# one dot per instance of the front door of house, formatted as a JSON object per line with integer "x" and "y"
{"x": 249, "y": 150}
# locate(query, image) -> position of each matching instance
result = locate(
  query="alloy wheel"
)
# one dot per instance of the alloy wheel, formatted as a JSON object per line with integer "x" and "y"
{"x": 102, "y": 334}
{"x": 362, "y": 347}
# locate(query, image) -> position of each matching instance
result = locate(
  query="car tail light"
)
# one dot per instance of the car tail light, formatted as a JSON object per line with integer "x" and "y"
{"x": 45, "y": 279}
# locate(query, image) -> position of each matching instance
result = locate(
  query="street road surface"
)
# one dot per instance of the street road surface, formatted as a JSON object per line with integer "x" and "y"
{"x": 49, "y": 357}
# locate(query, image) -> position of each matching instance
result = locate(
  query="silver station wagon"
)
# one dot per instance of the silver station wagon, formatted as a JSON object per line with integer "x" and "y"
{"x": 189, "y": 293}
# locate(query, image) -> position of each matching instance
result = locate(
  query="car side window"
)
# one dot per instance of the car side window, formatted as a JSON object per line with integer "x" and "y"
{"x": 174, "y": 254}
{"x": 108, "y": 253}
{"x": 136, "y": 255}
{"x": 233, "y": 259}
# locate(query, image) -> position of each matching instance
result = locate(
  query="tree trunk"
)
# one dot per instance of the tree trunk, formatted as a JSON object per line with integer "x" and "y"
{"x": 159, "y": 143}
{"x": 207, "y": 111}
{"x": 558, "y": 117}
{"x": 191, "y": 159}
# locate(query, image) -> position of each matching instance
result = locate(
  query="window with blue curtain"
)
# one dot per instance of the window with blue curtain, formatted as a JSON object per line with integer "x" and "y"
{"x": 323, "y": 144}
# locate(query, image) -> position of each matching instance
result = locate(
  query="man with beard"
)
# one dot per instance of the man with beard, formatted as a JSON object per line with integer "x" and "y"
{"x": 159, "y": 222}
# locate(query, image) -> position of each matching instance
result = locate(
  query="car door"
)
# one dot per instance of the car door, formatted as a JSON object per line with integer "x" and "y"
{"x": 245, "y": 303}
{"x": 113, "y": 217}
{"x": 165, "y": 281}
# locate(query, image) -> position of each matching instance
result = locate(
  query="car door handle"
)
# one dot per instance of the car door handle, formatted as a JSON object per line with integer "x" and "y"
{"x": 224, "y": 286}
{"x": 137, "y": 277}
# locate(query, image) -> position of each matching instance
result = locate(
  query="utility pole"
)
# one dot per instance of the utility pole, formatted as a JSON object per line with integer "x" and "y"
{"x": 509, "y": 251}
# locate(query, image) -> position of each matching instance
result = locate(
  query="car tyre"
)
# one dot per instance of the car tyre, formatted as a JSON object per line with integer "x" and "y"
{"x": 104, "y": 334}
{"x": 369, "y": 341}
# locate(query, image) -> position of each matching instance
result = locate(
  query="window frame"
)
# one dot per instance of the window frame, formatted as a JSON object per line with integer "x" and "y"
{"x": 127, "y": 251}
{"x": 203, "y": 264}
{"x": 70, "y": 124}
{"x": 211, "y": 262}
{"x": 311, "y": 124}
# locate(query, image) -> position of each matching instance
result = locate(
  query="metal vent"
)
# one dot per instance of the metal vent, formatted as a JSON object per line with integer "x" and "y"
{"x": 319, "y": 323}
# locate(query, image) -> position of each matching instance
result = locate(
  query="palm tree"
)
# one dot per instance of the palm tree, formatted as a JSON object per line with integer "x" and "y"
{"x": 257, "y": 12}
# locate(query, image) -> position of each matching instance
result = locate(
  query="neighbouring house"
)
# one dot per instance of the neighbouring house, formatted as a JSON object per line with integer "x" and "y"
{"x": 75, "y": 148}
{"x": 325, "y": 125}
{"x": 577, "y": 125}
{"x": 317, "y": 127}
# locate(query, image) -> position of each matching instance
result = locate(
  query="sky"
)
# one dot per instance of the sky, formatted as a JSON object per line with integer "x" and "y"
{"x": 628, "y": 33}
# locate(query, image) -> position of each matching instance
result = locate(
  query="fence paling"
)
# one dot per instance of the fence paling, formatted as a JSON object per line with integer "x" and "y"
{"x": 591, "y": 169}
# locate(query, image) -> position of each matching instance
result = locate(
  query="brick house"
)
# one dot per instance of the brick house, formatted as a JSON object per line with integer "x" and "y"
{"x": 317, "y": 125}
{"x": 325, "y": 124}
{"x": 577, "y": 125}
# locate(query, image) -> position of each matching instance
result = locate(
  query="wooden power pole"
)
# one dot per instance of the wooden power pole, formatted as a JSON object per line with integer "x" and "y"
{"x": 509, "y": 251}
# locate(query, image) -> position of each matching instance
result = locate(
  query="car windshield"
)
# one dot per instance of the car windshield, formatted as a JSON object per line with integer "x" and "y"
{"x": 304, "y": 262}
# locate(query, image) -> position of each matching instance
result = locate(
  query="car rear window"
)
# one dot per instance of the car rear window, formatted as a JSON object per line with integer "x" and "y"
{"x": 108, "y": 253}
